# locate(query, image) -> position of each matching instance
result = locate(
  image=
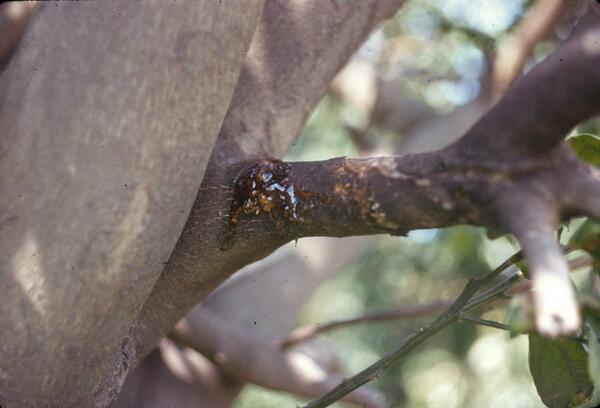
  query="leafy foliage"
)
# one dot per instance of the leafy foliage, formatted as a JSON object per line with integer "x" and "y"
{"x": 566, "y": 373}
{"x": 560, "y": 371}
{"x": 592, "y": 329}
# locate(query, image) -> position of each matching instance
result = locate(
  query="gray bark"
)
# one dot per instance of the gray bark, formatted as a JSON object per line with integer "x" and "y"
{"x": 108, "y": 116}
{"x": 107, "y": 119}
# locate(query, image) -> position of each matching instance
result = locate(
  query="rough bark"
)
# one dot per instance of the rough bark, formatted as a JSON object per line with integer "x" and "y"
{"x": 107, "y": 119}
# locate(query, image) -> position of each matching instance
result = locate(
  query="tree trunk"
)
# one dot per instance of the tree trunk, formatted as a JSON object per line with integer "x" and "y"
{"x": 108, "y": 116}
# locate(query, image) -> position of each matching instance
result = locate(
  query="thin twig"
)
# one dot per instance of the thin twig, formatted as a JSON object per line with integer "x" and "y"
{"x": 407, "y": 312}
{"x": 483, "y": 322}
{"x": 502, "y": 326}
{"x": 415, "y": 339}
{"x": 310, "y": 331}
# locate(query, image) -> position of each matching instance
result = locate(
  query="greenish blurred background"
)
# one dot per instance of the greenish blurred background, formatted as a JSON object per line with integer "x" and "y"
{"x": 417, "y": 83}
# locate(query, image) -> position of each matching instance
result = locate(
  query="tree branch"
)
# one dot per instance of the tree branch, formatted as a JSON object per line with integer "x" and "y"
{"x": 482, "y": 322}
{"x": 516, "y": 48}
{"x": 541, "y": 107}
{"x": 463, "y": 303}
{"x": 244, "y": 357}
{"x": 402, "y": 313}
{"x": 407, "y": 312}
{"x": 490, "y": 177}
{"x": 501, "y": 326}
{"x": 296, "y": 51}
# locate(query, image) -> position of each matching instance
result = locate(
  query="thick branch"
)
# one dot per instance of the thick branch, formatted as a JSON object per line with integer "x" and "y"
{"x": 245, "y": 357}
{"x": 296, "y": 51}
{"x": 516, "y": 49}
{"x": 541, "y": 107}
{"x": 487, "y": 178}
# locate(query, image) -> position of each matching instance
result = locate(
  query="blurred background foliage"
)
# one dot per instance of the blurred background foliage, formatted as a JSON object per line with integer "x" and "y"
{"x": 435, "y": 56}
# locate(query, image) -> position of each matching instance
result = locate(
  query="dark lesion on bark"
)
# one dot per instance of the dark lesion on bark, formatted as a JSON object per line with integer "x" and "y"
{"x": 343, "y": 197}
{"x": 495, "y": 176}
{"x": 261, "y": 187}
{"x": 294, "y": 196}
{"x": 336, "y": 197}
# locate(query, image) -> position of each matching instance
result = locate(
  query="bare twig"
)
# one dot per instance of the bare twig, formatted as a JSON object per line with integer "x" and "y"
{"x": 483, "y": 322}
{"x": 462, "y": 303}
{"x": 401, "y": 313}
{"x": 407, "y": 312}
{"x": 501, "y": 326}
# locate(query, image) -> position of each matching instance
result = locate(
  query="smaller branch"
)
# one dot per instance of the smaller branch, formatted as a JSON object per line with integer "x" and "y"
{"x": 582, "y": 261}
{"x": 516, "y": 49}
{"x": 407, "y": 312}
{"x": 245, "y": 357}
{"x": 310, "y": 331}
{"x": 497, "y": 325}
{"x": 499, "y": 290}
{"x": 483, "y": 322}
{"x": 462, "y": 303}
{"x": 557, "y": 312}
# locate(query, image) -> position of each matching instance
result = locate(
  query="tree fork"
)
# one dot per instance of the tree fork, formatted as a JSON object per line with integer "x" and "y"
{"x": 511, "y": 170}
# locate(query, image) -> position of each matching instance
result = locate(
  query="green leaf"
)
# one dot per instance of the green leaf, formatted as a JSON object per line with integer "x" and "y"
{"x": 560, "y": 371}
{"x": 586, "y": 147}
{"x": 587, "y": 237}
{"x": 592, "y": 330}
